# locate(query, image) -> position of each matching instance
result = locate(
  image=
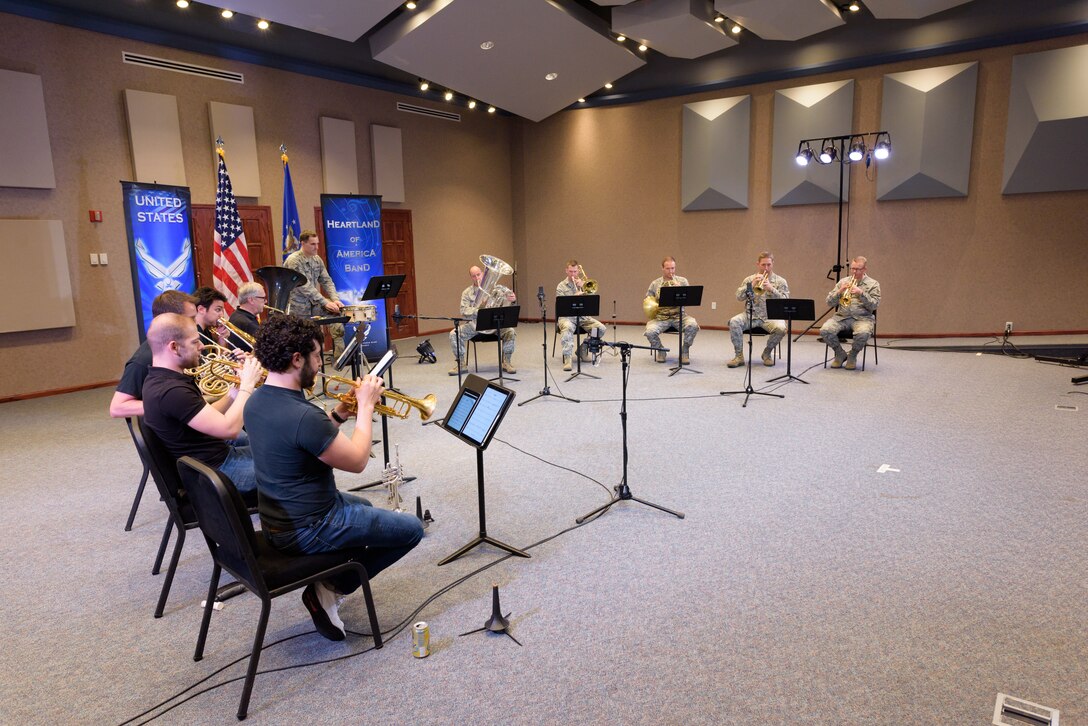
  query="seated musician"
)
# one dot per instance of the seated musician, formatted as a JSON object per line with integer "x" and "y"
{"x": 251, "y": 300}
{"x": 765, "y": 284}
{"x": 296, "y": 446}
{"x": 317, "y": 296}
{"x": 573, "y": 284}
{"x": 178, "y": 414}
{"x": 211, "y": 306}
{"x": 856, "y": 298}
{"x": 127, "y": 398}
{"x": 669, "y": 318}
{"x": 472, "y": 299}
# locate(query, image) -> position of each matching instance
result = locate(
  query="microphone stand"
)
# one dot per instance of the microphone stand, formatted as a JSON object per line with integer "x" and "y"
{"x": 623, "y": 491}
{"x": 546, "y": 390}
{"x": 748, "y": 391}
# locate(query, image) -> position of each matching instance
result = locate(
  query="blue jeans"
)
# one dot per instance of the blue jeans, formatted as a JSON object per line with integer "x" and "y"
{"x": 354, "y": 522}
{"x": 239, "y": 467}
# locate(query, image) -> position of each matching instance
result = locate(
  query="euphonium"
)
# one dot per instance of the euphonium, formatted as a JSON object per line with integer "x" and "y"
{"x": 400, "y": 409}
{"x": 589, "y": 286}
{"x": 238, "y": 332}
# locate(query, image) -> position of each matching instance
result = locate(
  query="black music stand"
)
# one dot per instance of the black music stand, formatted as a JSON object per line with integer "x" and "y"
{"x": 681, "y": 296}
{"x": 790, "y": 309}
{"x": 748, "y": 390}
{"x": 578, "y": 307}
{"x": 474, "y": 417}
{"x": 546, "y": 391}
{"x": 496, "y": 319}
{"x": 623, "y": 491}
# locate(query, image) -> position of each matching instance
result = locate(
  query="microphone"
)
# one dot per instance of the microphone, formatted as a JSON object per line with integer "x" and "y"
{"x": 540, "y": 293}
{"x": 748, "y": 289}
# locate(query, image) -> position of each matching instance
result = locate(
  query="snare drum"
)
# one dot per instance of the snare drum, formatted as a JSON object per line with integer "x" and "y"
{"x": 361, "y": 313}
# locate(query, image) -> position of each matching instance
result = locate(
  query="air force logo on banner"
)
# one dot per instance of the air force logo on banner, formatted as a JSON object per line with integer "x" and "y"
{"x": 166, "y": 276}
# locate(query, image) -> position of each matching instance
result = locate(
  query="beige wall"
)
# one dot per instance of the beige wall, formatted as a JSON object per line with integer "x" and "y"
{"x": 603, "y": 185}
{"x": 456, "y": 177}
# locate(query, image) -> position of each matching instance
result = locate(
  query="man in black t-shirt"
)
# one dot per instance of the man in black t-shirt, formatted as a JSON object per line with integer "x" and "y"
{"x": 251, "y": 299}
{"x": 127, "y": 399}
{"x": 296, "y": 446}
{"x": 178, "y": 414}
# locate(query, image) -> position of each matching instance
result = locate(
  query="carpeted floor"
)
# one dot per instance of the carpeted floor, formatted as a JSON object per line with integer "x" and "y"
{"x": 893, "y": 546}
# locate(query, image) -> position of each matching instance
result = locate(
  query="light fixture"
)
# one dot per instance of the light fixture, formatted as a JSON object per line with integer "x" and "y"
{"x": 262, "y": 24}
{"x": 883, "y": 148}
{"x": 551, "y": 76}
{"x": 487, "y": 45}
{"x": 491, "y": 109}
{"x": 228, "y": 14}
{"x": 410, "y": 5}
{"x": 642, "y": 47}
{"x": 804, "y": 154}
{"x": 471, "y": 103}
{"x": 719, "y": 19}
{"x": 183, "y": 4}
{"x": 829, "y": 153}
{"x": 581, "y": 100}
{"x": 448, "y": 96}
{"x": 857, "y": 149}
{"x": 423, "y": 85}
{"x": 426, "y": 352}
{"x": 853, "y": 7}
{"x": 735, "y": 30}
{"x": 608, "y": 85}
{"x": 621, "y": 38}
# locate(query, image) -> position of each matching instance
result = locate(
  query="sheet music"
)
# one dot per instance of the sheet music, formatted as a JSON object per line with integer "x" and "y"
{"x": 460, "y": 414}
{"x": 484, "y": 415}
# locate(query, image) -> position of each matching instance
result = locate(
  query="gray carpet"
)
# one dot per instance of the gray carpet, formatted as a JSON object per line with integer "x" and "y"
{"x": 803, "y": 586}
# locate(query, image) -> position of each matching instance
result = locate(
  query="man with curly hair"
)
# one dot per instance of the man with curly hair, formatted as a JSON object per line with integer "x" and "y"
{"x": 296, "y": 446}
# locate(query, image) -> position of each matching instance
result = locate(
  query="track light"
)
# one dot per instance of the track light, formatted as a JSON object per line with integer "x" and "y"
{"x": 857, "y": 150}
{"x": 804, "y": 154}
{"x": 829, "y": 153}
{"x": 883, "y": 147}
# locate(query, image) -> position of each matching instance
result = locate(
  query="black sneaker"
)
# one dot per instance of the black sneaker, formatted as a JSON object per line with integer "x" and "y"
{"x": 322, "y": 621}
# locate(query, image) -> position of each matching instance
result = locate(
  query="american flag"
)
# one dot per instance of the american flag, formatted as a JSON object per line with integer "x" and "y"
{"x": 230, "y": 266}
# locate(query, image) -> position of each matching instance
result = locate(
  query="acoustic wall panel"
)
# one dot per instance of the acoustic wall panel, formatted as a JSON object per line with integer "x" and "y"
{"x": 714, "y": 163}
{"x": 930, "y": 116}
{"x": 339, "y": 166}
{"x": 234, "y": 124}
{"x": 155, "y": 137}
{"x": 805, "y": 112}
{"x": 1045, "y": 149}
{"x": 387, "y": 162}
{"x": 26, "y": 159}
{"x": 41, "y": 275}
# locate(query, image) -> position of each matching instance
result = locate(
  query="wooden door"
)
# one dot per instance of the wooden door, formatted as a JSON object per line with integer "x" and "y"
{"x": 398, "y": 258}
{"x": 257, "y": 226}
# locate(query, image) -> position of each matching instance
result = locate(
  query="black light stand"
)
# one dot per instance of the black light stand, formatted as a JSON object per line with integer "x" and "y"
{"x": 748, "y": 391}
{"x": 546, "y": 391}
{"x": 882, "y": 142}
{"x": 623, "y": 491}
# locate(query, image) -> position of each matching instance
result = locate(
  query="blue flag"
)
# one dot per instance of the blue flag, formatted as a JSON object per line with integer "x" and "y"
{"x": 291, "y": 228}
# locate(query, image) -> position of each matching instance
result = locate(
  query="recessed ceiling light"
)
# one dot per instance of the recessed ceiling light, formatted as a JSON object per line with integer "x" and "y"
{"x": 410, "y": 5}
{"x": 423, "y": 85}
{"x": 735, "y": 30}
{"x": 608, "y": 85}
{"x": 551, "y": 76}
{"x": 471, "y": 103}
{"x": 719, "y": 19}
{"x": 449, "y": 95}
{"x": 853, "y": 7}
{"x": 621, "y": 38}
{"x": 491, "y": 109}
{"x": 228, "y": 14}
{"x": 642, "y": 47}
{"x": 581, "y": 100}
{"x": 487, "y": 45}
{"x": 183, "y": 3}
{"x": 262, "y": 24}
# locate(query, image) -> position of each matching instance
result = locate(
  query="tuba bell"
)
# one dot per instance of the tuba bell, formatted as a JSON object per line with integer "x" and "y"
{"x": 494, "y": 269}
{"x": 280, "y": 281}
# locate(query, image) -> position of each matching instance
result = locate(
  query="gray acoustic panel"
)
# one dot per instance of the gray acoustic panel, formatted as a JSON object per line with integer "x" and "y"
{"x": 677, "y": 28}
{"x": 714, "y": 165}
{"x": 782, "y": 19}
{"x": 387, "y": 162}
{"x": 805, "y": 112}
{"x": 26, "y": 159}
{"x": 41, "y": 275}
{"x": 154, "y": 133}
{"x": 930, "y": 116}
{"x": 339, "y": 165}
{"x": 234, "y": 124}
{"x": 1045, "y": 149}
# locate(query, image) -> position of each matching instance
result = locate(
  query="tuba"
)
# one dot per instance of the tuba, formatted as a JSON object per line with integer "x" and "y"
{"x": 495, "y": 268}
{"x": 280, "y": 281}
{"x": 401, "y": 407}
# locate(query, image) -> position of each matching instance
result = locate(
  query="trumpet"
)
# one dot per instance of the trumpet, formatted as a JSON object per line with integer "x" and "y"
{"x": 589, "y": 286}
{"x": 238, "y": 332}
{"x": 401, "y": 407}
{"x": 757, "y": 285}
{"x": 846, "y": 297}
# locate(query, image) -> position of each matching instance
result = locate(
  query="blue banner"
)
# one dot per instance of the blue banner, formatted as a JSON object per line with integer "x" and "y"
{"x": 353, "y": 247}
{"x": 160, "y": 233}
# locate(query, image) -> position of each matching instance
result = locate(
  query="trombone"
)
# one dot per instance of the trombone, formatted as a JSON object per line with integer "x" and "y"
{"x": 401, "y": 407}
{"x": 238, "y": 332}
{"x": 589, "y": 285}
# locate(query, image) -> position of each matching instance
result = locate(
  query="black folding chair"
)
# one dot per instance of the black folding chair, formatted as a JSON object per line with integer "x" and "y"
{"x": 143, "y": 481}
{"x": 249, "y": 557}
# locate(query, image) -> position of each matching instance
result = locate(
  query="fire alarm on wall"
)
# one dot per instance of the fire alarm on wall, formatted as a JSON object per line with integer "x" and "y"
{"x": 96, "y": 215}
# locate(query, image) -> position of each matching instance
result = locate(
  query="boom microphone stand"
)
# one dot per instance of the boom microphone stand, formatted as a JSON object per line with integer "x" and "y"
{"x": 623, "y": 491}
{"x": 546, "y": 390}
{"x": 748, "y": 391}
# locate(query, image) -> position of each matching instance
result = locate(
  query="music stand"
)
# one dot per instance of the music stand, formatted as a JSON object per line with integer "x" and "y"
{"x": 474, "y": 417}
{"x": 748, "y": 390}
{"x": 496, "y": 319}
{"x": 578, "y": 307}
{"x": 790, "y": 309}
{"x": 681, "y": 296}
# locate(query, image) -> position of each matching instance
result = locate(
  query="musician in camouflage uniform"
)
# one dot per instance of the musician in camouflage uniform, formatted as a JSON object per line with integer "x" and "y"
{"x": 572, "y": 284}
{"x": 471, "y": 302}
{"x": 307, "y": 300}
{"x": 669, "y": 318}
{"x": 857, "y": 298}
{"x": 765, "y": 285}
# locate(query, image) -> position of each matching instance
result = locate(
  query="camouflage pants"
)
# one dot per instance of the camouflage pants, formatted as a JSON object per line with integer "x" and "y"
{"x": 592, "y": 326}
{"x": 862, "y": 329}
{"x": 509, "y": 340}
{"x": 776, "y": 331}
{"x": 655, "y": 328}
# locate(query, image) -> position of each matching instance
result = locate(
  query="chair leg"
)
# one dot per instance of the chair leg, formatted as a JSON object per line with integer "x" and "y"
{"x": 373, "y": 615}
{"x": 170, "y": 572}
{"x": 209, "y": 605}
{"x": 254, "y": 659}
{"x": 162, "y": 546}
{"x": 136, "y": 501}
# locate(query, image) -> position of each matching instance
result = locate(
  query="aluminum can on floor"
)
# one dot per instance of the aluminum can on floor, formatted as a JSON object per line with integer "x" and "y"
{"x": 421, "y": 640}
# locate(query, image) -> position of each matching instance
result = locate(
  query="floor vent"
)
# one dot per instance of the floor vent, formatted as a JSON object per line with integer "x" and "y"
{"x": 165, "y": 64}
{"x": 424, "y": 111}
{"x": 1010, "y": 711}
